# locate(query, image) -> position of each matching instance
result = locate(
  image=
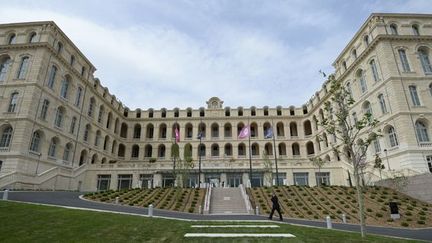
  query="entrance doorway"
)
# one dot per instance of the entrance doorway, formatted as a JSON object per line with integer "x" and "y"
{"x": 234, "y": 180}
{"x": 212, "y": 179}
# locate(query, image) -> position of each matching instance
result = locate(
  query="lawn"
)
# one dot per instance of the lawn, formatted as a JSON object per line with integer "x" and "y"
{"x": 33, "y": 223}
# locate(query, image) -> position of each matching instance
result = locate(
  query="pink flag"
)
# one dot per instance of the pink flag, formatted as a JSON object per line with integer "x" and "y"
{"x": 177, "y": 135}
{"x": 245, "y": 132}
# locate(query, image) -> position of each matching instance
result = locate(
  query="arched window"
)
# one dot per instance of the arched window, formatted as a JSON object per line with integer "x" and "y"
{"x": 109, "y": 118}
{"x": 162, "y": 131}
{"x": 279, "y": 111}
{"x": 22, "y": 71}
{"x": 32, "y": 37}
{"x": 325, "y": 140}
{"x": 53, "y": 148}
{"x": 253, "y": 111}
{"x": 424, "y": 59}
{"x": 202, "y": 112}
{"x": 362, "y": 81}
{"x": 137, "y": 131}
{"x": 4, "y": 67}
{"x": 367, "y": 108}
{"x": 240, "y": 111}
{"x": 202, "y": 150}
{"x": 67, "y": 152}
{"x": 106, "y": 141}
{"x": 253, "y": 130}
{"x": 163, "y": 113}
{"x": 6, "y": 137}
{"x": 280, "y": 130}
{"x": 13, "y": 102}
{"x": 255, "y": 149}
{"x": 240, "y": 126}
{"x": 241, "y": 150}
{"x": 72, "y": 60}
{"x": 215, "y": 130}
{"x": 404, "y": 60}
{"x": 282, "y": 149}
{"x": 135, "y": 151}
{"x": 374, "y": 70}
{"x": 150, "y": 131}
{"x": 65, "y": 87}
{"x": 148, "y": 151}
{"x": 295, "y": 149}
{"x": 91, "y": 107}
{"x": 348, "y": 88}
{"x": 101, "y": 113}
{"x": 189, "y": 112}
{"x": 430, "y": 89}
{"x": 382, "y": 103}
{"x": 366, "y": 40}
{"x": 307, "y": 128}
{"x": 52, "y": 76}
{"x": 78, "y": 96}
{"x": 293, "y": 129}
{"x": 215, "y": 150}
{"x": 123, "y": 130}
{"x": 268, "y": 148}
{"x": 94, "y": 159}
{"x": 344, "y": 65}
{"x": 35, "y": 142}
{"x": 72, "y": 125}
{"x": 227, "y": 111}
{"x": 422, "y": 132}
{"x": 60, "y": 114}
{"x": 59, "y": 47}
{"x": 228, "y": 149}
{"x": 415, "y": 29}
{"x": 161, "y": 151}
{"x": 414, "y": 95}
{"x": 114, "y": 147}
{"x": 266, "y": 111}
{"x": 354, "y": 53}
{"x": 87, "y": 133}
{"x": 310, "y": 148}
{"x": 121, "y": 151}
{"x": 98, "y": 138}
{"x": 227, "y": 130}
{"x": 189, "y": 131}
{"x": 83, "y": 157}
{"x": 392, "y": 137}
{"x": 393, "y": 29}
{"x": 12, "y": 39}
{"x": 116, "y": 125}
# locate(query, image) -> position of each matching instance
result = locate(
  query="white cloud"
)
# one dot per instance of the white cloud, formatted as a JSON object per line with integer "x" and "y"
{"x": 158, "y": 65}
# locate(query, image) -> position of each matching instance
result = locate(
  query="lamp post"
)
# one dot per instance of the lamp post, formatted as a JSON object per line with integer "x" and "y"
{"x": 199, "y": 155}
{"x": 388, "y": 164}
{"x": 37, "y": 165}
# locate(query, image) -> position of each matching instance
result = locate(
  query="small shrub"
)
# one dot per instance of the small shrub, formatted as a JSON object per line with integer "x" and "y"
{"x": 327, "y": 203}
{"x": 420, "y": 222}
{"x": 333, "y": 207}
{"x": 422, "y": 218}
{"x": 408, "y": 213}
{"x": 346, "y": 206}
{"x": 316, "y": 217}
{"x": 390, "y": 220}
{"x": 369, "y": 210}
{"x": 309, "y": 212}
{"x": 339, "y": 211}
{"x": 353, "y": 211}
{"x": 410, "y": 208}
{"x": 422, "y": 213}
{"x": 384, "y": 208}
{"x": 409, "y": 219}
{"x": 379, "y": 215}
{"x": 425, "y": 209}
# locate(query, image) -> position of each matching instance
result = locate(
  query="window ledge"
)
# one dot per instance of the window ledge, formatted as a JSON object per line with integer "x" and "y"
{"x": 35, "y": 153}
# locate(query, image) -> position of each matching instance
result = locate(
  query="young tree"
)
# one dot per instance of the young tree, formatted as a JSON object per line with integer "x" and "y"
{"x": 319, "y": 163}
{"x": 353, "y": 136}
{"x": 379, "y": 165}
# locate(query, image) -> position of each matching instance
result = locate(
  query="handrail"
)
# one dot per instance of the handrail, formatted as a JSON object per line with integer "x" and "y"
{"x": 207, "y": 200}
{"x": 246, "y": 199}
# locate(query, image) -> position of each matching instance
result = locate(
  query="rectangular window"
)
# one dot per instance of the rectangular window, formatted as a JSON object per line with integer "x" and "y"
{"x": 72, "y": 125}
{"x": 322, "y": 178}
{"x": 167, "y": 180}
{"x": 44, "y": 109}
{"x": 124, "y": 182}
{"x": 64, "y": 89}
{"x": 22, "y": 71}
{"x": 78, "y": 96}
{"x": 146, "y": 181}
{"x": 404, "y": 61}
{"x": 103, "y": 182}
{"x": 1, "y": 164}
{"x": 414, "y": 95}
{"x": 51, "y": 77}
{"x": 301, "y": 179}
{"x": 377, "y": 146}
{"x": 363, "y": 85}
{"x": 374, "y": 70}
{"x": 281, "y": 177}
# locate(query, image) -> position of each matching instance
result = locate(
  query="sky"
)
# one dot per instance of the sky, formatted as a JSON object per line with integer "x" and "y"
{"x": 179, "y": 53}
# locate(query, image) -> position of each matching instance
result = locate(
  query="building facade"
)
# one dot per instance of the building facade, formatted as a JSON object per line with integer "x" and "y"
{"x": 60, "y": 129}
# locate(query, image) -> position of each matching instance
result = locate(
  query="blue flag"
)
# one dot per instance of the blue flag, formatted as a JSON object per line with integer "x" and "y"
{"x": 268, "y": 133}
{"x": 199, "y": 135}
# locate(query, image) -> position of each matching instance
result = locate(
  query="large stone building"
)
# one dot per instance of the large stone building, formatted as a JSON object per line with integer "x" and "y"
{"x": 60, "y": 129}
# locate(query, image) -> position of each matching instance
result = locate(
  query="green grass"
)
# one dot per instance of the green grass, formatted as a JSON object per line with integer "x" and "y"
{"x": 33, "y": 223}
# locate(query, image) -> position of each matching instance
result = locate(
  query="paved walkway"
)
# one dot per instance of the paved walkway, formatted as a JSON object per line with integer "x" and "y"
{"x": 71, "y": 199}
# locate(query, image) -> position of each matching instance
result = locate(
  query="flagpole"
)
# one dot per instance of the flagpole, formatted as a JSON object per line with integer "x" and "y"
{"x": 250, "y": 155}
{"x": 275, "y": 155}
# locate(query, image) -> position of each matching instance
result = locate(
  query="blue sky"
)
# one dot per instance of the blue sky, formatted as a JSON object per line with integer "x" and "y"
{"x": 160, "y": 53}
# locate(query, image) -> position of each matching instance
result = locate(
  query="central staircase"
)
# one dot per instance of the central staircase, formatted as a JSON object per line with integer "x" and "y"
{"x": 227, "y": 201}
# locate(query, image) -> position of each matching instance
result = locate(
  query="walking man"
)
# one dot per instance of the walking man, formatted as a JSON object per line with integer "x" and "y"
{"x": 275, "y": 206}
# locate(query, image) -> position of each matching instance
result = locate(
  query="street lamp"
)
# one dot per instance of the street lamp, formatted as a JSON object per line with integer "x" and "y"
{"x": 388, "y": 164}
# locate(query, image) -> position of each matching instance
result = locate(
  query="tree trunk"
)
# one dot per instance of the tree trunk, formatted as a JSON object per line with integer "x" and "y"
{"x": 360, "y": 203}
